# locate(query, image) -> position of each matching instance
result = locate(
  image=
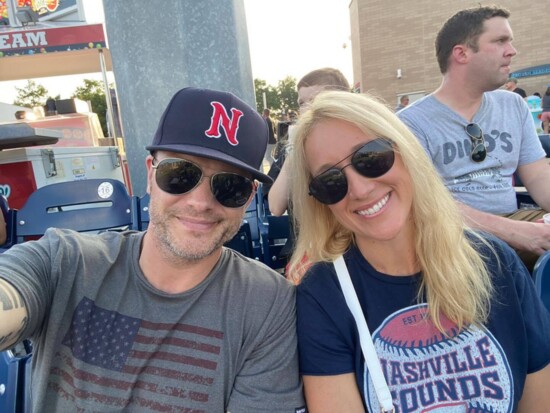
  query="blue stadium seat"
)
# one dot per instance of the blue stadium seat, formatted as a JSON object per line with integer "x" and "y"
{"x": 541, "y": 274}
{"x": 140, "y": 212}
{"x": 9, "y": 219}
{"x": 87, "y": 205}
{"x": 242, "y": 241}
{"x": 277, "y": 234}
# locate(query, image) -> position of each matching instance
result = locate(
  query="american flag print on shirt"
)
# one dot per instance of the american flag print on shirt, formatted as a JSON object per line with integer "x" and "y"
{"x": 112, "y": 360}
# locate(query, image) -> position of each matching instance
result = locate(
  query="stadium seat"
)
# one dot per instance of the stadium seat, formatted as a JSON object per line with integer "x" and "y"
{"x": 87, "y": 205}
{"x": 541, "y": 274}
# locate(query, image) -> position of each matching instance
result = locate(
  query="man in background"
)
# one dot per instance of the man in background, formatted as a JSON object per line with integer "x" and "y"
{"x": 478, "y": 135}
{"x": 308, "y": 87}
{"x": 403, "y": 102}
{"x": 512, "y": 85}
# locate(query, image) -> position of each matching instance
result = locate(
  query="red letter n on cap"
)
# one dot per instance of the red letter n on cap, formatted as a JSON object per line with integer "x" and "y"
{"x": 221, "y": 118}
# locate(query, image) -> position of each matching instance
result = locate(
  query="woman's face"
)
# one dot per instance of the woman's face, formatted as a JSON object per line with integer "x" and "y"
{"x": 374, "y": 209}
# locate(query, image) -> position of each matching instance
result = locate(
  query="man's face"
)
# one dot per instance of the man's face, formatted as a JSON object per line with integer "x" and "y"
{"x": 490, "y": 65}
{"x": 194, "y": 225}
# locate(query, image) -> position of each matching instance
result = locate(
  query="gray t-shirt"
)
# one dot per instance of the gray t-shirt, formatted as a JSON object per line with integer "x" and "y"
{"x": 510, "y": 137}
{"x": 106, "y": 340}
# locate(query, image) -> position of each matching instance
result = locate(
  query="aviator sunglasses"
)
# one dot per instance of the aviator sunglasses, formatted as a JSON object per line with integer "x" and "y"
{"x": 178, "y": 176}
{"x": 371, "y": 160}
{"x": 479, "y": 151}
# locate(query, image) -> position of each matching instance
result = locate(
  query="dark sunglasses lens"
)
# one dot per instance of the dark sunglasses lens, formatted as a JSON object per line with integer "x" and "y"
{"x": 479, "y": 152}
{"x": 330, "y": 187}
{"x": 474, "y": 131}
{"x": 231, "y": 190}
{"x": 177, "y": 176}
{"x": 374, "y": 159}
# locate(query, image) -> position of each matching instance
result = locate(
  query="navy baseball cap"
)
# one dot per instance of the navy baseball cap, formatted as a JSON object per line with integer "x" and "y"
{"x": 215, "y": 125}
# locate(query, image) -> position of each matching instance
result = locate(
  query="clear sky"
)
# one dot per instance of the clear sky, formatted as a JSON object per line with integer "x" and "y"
{"x": 286, "y": 37}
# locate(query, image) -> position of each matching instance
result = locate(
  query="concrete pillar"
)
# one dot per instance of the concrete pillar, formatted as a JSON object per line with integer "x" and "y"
{"x": 161, "y": 46}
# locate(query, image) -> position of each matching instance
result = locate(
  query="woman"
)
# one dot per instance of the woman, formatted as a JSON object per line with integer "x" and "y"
{"x": 454, "y": 317}
{"x": 545, "y": 115}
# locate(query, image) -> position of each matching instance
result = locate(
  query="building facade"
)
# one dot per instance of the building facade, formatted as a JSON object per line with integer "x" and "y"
{"x": 394, "y": 53}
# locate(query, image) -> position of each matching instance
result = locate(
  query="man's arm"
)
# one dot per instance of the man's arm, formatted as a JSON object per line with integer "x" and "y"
{"x": 13, "y": 315}
{"x": 279, "y": 192}
{"x": 536, "y": 178}
{"x": 521, "y": 235}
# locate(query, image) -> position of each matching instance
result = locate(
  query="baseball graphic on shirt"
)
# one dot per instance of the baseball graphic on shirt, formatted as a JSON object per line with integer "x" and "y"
{"x": 430, "y": 372}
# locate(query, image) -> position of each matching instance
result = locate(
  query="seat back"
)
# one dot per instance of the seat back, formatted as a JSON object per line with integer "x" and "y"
{"x": 278, "y": 233}
{"x": 242, "y": 241}
{"x": 140, "y": 212}
{"x": 541, "y": 274}
{"x": 15, "y": 379}
{"x": 87, "y": 205}
{"x": 9, "y": 218}
{"x": 251, "y": 216}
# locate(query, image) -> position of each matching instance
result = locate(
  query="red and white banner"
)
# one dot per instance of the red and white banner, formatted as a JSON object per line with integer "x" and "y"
{"x": 22, "y": 42}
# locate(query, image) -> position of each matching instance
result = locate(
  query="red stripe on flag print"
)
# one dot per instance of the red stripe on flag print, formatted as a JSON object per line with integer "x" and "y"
{"x": 120, "y": 361}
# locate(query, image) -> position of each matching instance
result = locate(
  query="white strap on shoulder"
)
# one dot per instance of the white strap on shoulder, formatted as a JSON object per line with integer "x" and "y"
{"x": 367, "y": 346}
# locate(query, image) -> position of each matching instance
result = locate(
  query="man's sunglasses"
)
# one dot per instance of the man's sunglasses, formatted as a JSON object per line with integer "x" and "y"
{"x": 479, "y": 151}
{"x": 371, "y": 160}
{"x": 179, "y": 176}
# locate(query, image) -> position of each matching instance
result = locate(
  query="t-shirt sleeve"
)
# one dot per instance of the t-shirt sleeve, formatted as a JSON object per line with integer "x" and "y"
{"x": 531, "y": 149}
{"x": 269, "y": 380}
{"x": 325, "y": 326}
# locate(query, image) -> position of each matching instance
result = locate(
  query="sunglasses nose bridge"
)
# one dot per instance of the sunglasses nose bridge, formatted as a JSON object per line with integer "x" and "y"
{"x": 358, "y": 184}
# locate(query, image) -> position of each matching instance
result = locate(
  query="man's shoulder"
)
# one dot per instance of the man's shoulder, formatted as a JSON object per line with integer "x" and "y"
{"x": 417, "y": 108}
{"x": 504, "y": 99}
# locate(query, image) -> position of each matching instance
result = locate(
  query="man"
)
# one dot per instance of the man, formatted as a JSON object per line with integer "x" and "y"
{"x": 478, "y": 136}
{"x": 403, "y": 102}
{"x": 169, "y": 319}
{"x": 308, "y": 86}
{"x": 326, "y": 78}
{"x": 271, "y": 141}
{"x": 512, "y": 85}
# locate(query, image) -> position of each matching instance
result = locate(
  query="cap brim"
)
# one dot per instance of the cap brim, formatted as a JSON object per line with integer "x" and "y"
{"x": 212, "y": 154}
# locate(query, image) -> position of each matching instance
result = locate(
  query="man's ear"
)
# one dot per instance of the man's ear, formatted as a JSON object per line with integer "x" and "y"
{"x": 150, "y": 172}
{"x": 252, "y": 195}
{"x": 460, "y": 53}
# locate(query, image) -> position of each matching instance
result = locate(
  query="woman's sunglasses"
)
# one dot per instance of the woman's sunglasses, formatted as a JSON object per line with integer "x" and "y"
{"x": 479, "y": 151}
{"x": 371, "y": 160}
{"x": 179, "y": 176}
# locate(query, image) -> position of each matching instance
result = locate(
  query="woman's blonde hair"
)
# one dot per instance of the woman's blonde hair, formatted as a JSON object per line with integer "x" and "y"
{"x": 455, "y": 280}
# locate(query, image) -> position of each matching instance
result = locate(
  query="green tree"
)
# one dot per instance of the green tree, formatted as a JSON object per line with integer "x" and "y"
{"x": 271, "y": 94}
{"x": 287, "y": 93}
{"x": 93, "y": 91}
{"x": 279, "y": 98}
{"x": 31, "y": 95}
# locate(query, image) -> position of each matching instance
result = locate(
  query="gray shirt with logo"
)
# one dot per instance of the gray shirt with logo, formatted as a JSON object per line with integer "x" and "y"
{"x": 106, "y": 340}
{"x": 510, "y": 138}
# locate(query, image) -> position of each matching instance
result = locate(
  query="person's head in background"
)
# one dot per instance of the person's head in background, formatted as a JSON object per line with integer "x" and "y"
{"x": 21, "y": 115}
{"x": 267, "y": 112}
{"x": 475, "y": 46}
{"x": 511, "y": 84}
{"x": 404, "y": 100}
{"x": 318, "y": 80}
